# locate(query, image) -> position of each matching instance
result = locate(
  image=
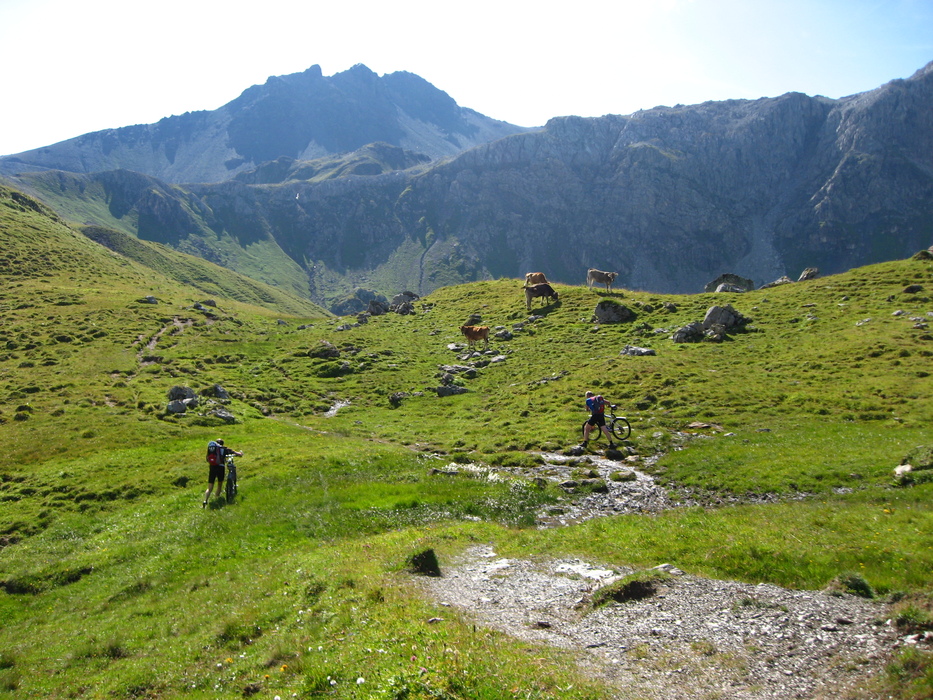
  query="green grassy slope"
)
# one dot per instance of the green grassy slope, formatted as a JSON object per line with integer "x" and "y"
{"x": 114, "y": 582}
{"x": 108, "y": 203}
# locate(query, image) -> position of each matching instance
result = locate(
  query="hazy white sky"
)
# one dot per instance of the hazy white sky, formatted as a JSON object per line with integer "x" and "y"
{"x": 71, "y": 67}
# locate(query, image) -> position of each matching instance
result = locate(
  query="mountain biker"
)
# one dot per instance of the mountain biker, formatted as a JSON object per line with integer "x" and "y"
{"x": 596, "y": 405}
{"x": 216, "y": 471}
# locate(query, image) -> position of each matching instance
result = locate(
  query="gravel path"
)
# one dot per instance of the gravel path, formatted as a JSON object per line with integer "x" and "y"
{"x": 696, "y": 637}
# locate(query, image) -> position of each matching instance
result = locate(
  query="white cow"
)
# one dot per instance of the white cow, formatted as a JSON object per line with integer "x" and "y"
{"x": 600, "y": 277}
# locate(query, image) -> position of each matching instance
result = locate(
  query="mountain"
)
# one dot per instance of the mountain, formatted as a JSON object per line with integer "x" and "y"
{"x": 301, "y": 116}
{"x": 670, "y": 198}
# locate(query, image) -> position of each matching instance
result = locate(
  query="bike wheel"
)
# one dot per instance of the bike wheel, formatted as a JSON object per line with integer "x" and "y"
{"x": 231, "y": 488}
{"x": 621, "y": 428}
{"x": 594, "y": 433}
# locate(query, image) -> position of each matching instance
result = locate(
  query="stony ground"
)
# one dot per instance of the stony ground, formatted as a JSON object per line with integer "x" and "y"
{"x": 695, "y": 637}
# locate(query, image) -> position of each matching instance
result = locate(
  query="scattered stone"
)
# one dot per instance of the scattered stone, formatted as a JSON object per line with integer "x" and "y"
{"x": 224, "y": 415}
{"x": 395, "y": 400}
{"x": 465, "y": 370}
{"x": 636, "y": 351}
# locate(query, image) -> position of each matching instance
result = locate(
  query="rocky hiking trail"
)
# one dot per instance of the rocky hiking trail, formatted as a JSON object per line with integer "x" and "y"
{"x": 693, "y": 637}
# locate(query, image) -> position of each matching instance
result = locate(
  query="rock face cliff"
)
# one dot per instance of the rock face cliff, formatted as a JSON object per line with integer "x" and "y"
{"x": 670, "y": 198}
{"x": 300, "y": 116}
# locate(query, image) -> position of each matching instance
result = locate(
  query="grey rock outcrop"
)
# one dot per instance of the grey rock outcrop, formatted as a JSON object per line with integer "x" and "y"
{"x": 609, "y": 311}
{"x": 216, "y": 391}
{"x": 224, "y": 415}
{"x": 635, "y": 351}
{"x": 181, "y": 399}
{"x": 691, "y": 333}
{"x": 778, "y": 282}
{"x": 724, "y": 316}
{"x": 732, "y": 282}
{"x": 180, "y": 393}
{"x": 377, "y": 307}
{"x": 811, "y": 273}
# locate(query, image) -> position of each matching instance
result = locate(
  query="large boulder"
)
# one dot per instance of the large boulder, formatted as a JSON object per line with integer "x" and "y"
{"x": 324, "y": 350}
{"x": 724, "y": 316}
{"x": 740, "y": 284}
{"x": 778, "y": 282}
{"x": 377, "y": 307}
{"x": 180, "y": 393}
{"x": 216, "y": 391}
{"x": 811, "y": 273}
{"x": 611, "y": 311}
{"x": 404, "y": 298}
{"x": 691, "y": 333}
{"x": 636, "y": 351}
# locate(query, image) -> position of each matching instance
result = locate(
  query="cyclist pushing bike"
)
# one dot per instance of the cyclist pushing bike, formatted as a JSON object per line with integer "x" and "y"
{"x": 217, "y": 457}
{"x": 596, "y": 405}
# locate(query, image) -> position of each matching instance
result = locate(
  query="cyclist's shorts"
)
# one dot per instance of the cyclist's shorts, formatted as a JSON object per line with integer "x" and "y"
{"x": 598, "y": 419}
{"x": 216, "y": 473}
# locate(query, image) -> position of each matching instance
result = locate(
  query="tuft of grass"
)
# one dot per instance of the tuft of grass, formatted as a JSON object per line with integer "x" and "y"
{"x": 636, "y": 586}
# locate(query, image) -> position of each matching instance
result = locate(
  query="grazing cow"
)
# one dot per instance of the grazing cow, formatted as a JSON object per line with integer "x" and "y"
{"x": 600, "y": 277}
{"x": 475, "y": 333}
{"x": 535, "y": 278}
{"x": 539, "y": 290}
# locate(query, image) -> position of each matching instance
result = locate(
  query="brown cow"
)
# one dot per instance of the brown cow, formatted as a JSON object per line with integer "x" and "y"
{"x": 600, "y": 277}
{"x": 539, "y": 290}
{"x": 532, "y": 278}
{"x": 475, "y": 333}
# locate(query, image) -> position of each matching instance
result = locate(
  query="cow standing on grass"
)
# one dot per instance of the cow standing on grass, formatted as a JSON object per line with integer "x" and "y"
{"x": 474, "y": 334}
{"x": 539, "y": 290}
{"x": 600, "y": 277}
{"x": 533, "y": 278}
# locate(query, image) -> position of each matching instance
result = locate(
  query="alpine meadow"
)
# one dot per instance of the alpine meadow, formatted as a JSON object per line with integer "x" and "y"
{"x": 373, "y": 444}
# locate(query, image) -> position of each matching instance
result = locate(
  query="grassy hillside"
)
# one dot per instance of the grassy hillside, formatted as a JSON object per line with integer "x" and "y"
{"x": 137, "y": 206}
{"x": 114, "y": 582}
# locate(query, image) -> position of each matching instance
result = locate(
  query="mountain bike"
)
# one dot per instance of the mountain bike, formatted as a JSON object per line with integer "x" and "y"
{"x": 618, "y": 425}
{"x": 230, "y": 488}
